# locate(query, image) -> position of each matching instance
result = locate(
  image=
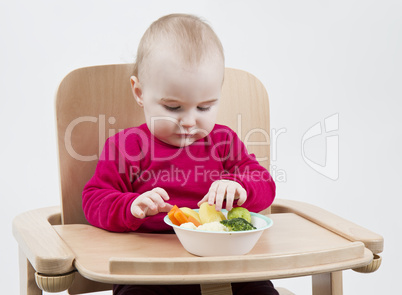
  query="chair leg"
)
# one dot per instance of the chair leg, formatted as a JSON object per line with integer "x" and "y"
{"x": 27, "y": 277}
{"x": 216, "y": 289}
{"x": 327, "y": 283}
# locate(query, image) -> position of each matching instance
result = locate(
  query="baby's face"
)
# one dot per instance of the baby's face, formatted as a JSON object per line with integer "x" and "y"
{"x": 181, "y": 101}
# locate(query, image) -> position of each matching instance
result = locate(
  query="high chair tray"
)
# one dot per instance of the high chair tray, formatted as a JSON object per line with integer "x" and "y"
{"x": 294, "y": 246}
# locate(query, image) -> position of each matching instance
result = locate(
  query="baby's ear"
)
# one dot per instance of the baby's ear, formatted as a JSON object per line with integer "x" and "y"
{"x": 137, "y": 90}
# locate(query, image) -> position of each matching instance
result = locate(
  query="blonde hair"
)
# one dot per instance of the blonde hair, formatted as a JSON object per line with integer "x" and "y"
{"x": 191, "y": 37}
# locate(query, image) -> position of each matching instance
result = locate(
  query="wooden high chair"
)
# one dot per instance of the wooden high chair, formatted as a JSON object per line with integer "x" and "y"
{"x": 59, "y": 250}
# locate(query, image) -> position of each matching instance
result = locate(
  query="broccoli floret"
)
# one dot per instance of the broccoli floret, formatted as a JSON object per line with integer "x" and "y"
{"x": 238, "y": 224}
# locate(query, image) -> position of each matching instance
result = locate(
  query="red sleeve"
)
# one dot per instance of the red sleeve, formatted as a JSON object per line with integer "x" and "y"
{"x": 108, "y": 195}
{"x": 245, "y": 169}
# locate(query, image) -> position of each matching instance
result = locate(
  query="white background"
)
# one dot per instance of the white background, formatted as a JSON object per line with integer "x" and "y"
{"x": 316, "y": 59}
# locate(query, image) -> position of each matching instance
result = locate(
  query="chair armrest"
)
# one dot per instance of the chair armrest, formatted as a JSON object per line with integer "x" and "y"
{"x": 332, "y": 222}
{"x": 43, "y": 247}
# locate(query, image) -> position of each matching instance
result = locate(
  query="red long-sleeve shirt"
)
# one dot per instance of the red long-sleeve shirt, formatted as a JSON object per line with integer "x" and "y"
{"x": 134, "y": 161}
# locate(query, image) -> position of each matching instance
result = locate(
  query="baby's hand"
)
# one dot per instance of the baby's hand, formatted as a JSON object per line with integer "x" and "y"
{"x": 150, "y": 203}
{"x": 225, "y": 189}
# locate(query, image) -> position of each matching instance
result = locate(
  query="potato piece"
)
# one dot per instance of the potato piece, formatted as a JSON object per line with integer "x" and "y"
{"x": 190, "y": 212}
{"x": 208, "y": 213}
{"x": 222, "y": 215}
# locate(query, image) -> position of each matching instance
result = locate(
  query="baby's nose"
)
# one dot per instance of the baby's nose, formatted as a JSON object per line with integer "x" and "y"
{"x": 188, "y": 121}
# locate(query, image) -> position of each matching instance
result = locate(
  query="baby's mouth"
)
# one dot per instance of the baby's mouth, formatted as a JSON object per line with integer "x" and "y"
{"x": 186, "y": 135}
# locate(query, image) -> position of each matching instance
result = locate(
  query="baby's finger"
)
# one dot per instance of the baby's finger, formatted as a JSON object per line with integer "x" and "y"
{"x": 230, "y": 196}
{"x": 220, "y": 195}
{"x": 137, "y": 212}
{"x": 166, "y": 208}
{"x": 149, "y": 202}
{"x": 210, "y": 196}
{"x": 158, "y": 199}
{"x": 203, "y": 200}
{"x": 162, "y": 193}
{"x": 242, "y": 196}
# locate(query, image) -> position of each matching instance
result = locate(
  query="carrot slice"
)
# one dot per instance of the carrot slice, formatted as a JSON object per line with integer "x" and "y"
{"x": 180, "y": 216}
{"x": 171, "y": 215}
{"x": 193, "y": 220}
{"x": 174, "y": 208}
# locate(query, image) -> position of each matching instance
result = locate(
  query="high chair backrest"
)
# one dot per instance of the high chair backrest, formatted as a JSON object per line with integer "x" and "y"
{"x": 96, "y": 102}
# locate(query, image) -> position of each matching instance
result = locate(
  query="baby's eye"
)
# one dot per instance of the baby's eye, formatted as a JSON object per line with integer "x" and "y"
{"x": 203, "y": 109}
{"x": 172, "y": 109}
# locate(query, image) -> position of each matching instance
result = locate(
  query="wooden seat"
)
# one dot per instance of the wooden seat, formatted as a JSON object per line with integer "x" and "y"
{"x": 60, "y": 248}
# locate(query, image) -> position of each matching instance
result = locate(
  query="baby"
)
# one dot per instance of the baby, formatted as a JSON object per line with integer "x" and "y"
{"x": 179, "y": 156}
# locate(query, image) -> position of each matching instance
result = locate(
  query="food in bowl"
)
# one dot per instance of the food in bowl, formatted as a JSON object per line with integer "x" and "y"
{"x": 220, "y": 243}
{"x": 190, "y": 212}
{"x": 178, "y": 216}
{"x": 239, "y": 212}
{"x": 213, "y": 226}
{"x": 208, "y": 219}
{"x": 238, "y": 224}
{"x": 208, "y": 213}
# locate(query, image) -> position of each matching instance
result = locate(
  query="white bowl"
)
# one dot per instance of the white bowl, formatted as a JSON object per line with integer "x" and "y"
{"x": 210, "y": 243}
